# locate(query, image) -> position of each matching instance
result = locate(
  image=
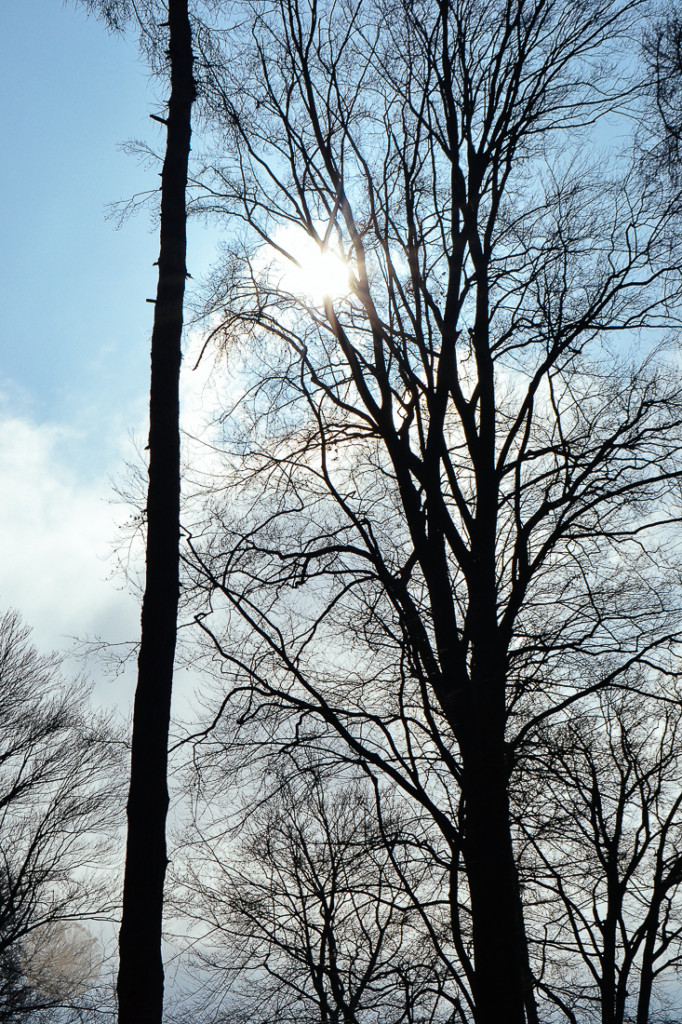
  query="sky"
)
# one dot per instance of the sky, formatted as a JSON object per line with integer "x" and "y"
{"x": 75, "y": 326}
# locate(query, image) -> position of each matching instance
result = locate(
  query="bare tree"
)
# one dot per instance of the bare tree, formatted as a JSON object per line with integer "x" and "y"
{"x": 140, "y": 981}
{"x": 305, "y": 917}
{"x": 663, "y": 64}
{"x": 60, "y": 777}
{"x": 604, "y": 827}
{"x": 141, "y": 977}
{"x": 452, "y": 476}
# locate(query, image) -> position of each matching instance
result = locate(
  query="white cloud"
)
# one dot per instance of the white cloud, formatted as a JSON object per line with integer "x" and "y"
{"x": 60, "y": 518}
{"x": 56, "y": 532}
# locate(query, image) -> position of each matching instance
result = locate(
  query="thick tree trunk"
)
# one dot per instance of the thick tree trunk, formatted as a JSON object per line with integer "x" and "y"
{"x": 140, "y": 979}
{"x": 608, "y": 986}
{"x": 646, "y": 980}
{"x": 502, "y": 990}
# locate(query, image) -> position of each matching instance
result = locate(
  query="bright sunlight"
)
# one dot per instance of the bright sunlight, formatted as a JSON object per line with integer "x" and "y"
{"x": 307, "y": 271}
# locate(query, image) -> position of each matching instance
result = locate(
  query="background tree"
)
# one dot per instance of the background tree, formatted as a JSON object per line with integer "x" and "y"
{"x": 603, "y": 822}
{"x": 305, "y": 916}
{"x": 60, "y": 780}
{"x": 663, "y": 62}
{"x": 450, "y": 477}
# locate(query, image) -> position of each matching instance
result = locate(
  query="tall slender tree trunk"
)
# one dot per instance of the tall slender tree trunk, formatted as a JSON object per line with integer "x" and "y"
{"x": 140, "y": 979}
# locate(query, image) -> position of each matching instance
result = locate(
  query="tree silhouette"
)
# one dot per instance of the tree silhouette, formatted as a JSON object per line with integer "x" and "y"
{"x": 140, "y": 980}
{"x": 141, "y": 977}
{"x": 60, "y": 807}
{"x": 448, "y": 484}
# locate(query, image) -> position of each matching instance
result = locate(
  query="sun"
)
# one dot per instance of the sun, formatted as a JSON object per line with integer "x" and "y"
{"x": 299, "y": 265}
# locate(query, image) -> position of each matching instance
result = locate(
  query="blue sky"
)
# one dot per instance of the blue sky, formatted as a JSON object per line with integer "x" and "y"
{"x": 74, "y": 317}
{"x": 74, "y": 332}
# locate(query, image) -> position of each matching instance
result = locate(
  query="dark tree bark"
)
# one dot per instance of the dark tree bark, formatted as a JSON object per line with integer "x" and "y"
{"x": 501, "y": 983}
{"x": 140, "y": 979}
